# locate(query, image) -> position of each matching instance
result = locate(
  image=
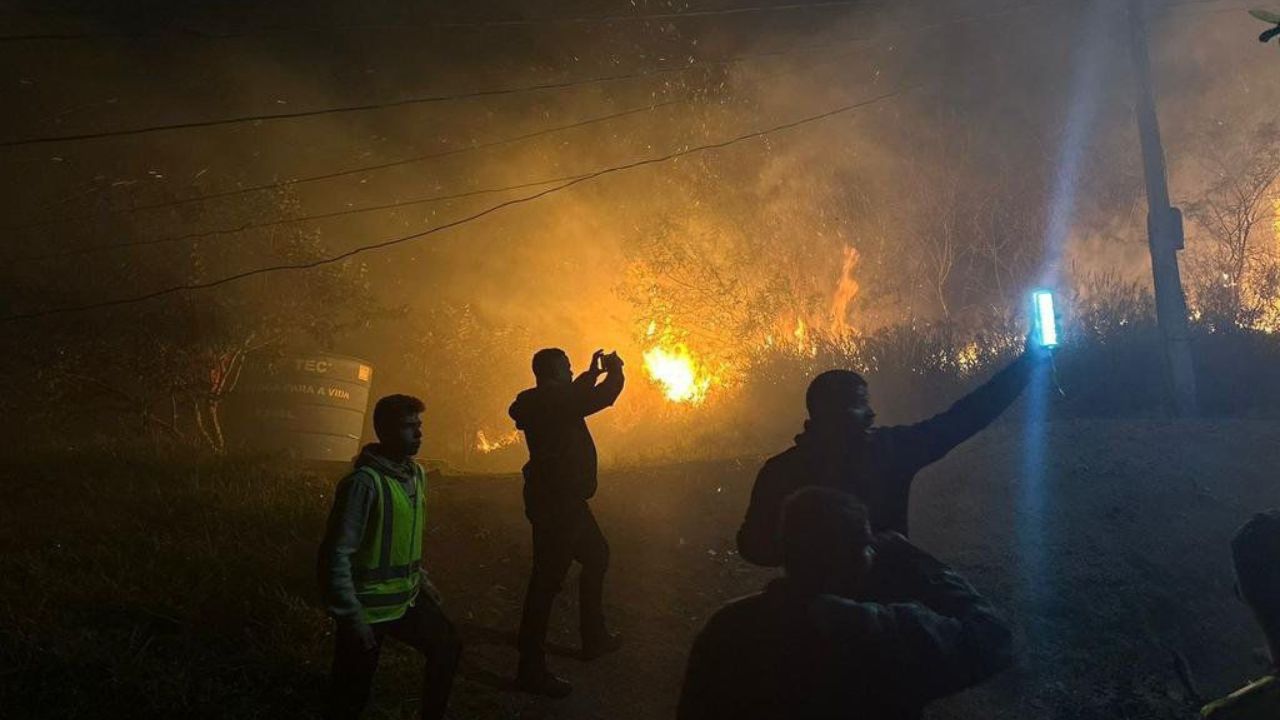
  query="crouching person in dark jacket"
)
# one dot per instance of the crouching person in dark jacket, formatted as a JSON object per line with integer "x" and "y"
{"x": 805, "y": 649}
{"x": 559, "y": 479}
{"x": 371, "y": 568}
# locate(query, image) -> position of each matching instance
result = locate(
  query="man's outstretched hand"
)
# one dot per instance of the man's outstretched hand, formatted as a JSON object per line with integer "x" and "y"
{"x": 597, "y": 361}
{"x": 1034, "y": 350}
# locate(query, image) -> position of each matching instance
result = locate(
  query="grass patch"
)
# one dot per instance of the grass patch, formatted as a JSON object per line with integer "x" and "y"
{"x": 140, "y": 589}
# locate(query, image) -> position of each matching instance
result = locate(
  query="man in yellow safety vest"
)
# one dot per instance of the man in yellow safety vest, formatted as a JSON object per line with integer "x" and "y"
{"x": 371, "y": 567}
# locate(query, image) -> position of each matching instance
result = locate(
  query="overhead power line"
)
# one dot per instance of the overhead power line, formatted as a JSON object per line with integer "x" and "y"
{"x": 382, "y": 206}
{"x": 592, "y": 19}
{"x": 465, "y": 220}
{"x": 611, "y": 116}
{"x": 424, "y": 157}
{"x": 192, "y": 32}
{"x": 305, "y": 218}
{"x": 347, "y": 109}
{"x": 333, "y": 175}
{"x": 273, "y": 31}
{"x": 428, "y": 99}
{"x": 419, "y": 100}
{"x": 517, "y": 201}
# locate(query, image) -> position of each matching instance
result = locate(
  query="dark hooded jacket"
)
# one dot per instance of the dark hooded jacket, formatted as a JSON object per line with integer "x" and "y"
{"x": 353, "y": 501}
{"x": 878, "y": 467}
{"x": 562, "y": 455}
{"x": 792, "y": 654}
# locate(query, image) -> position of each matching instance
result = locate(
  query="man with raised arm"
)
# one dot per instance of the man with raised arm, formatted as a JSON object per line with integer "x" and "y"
{"x": 841, "y": 448}
{"x": 559, "y": 480}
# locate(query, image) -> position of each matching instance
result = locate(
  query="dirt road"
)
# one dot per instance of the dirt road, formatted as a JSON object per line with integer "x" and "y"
{"x": 153, "y": 588}
{"x": 1109, "y": 558}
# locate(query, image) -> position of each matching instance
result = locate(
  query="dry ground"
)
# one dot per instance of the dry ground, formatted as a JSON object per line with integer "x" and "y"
{"x": 136, "y": 593}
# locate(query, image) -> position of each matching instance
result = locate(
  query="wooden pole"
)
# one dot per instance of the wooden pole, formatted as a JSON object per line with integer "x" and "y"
{"x": 1164, "y": 231}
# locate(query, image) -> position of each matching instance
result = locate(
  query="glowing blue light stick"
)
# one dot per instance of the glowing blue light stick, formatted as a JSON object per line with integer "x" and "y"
{"x": 1045, "y": 322}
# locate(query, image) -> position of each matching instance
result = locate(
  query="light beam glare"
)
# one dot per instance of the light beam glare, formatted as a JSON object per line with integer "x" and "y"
{"x": 1046, "y": 321}
{"x": 1033, "y": 511}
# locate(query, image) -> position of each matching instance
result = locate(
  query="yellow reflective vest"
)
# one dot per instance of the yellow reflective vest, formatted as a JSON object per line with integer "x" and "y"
{"x": 386, "y": 567}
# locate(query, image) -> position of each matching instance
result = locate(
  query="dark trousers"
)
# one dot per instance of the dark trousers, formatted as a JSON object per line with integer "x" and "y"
{"x": 561, "y": 535}
{"x": 423, "y": 627}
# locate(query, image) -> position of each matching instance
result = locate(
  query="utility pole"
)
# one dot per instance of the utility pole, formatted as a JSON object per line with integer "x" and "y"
{"x": 1164, "y": 230}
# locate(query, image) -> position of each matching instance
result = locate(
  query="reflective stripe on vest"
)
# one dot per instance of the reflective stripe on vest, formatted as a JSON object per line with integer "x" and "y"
{"x": 385, "y": 568}
{"x": 385, "y": 600}
{"x": 388, "y": 573}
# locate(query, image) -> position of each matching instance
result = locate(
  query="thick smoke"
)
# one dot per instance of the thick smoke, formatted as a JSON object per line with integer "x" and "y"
{"x": 940, "y": 194}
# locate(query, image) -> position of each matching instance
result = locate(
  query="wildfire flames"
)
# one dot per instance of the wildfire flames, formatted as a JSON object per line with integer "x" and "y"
{"x": 485, "y": 445}
{"x": 792, "y": 336}
{"x": 967, "y": 358}
{"x": 679, "y": 373}
{"x": 846, "y": 291}
{"x": 685, "y": 376}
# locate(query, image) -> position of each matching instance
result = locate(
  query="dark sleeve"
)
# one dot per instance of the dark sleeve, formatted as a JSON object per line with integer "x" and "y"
{"x": 758, "y": 535}
{"x": 915, "y": 446}
{"x": 590, "y": 398}
{"x": 516, "y": 415}
{"x": 697, "y": 696}
{"x": 950, "y": 638}
{"x": 353, "y": 500}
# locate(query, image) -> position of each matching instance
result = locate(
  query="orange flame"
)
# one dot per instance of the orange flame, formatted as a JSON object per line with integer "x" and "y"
{"x": 485, "y": 445}
{"x": 846, "y": 291}
{"x": 682, "y": 377}
{"x": 968, "y": 358}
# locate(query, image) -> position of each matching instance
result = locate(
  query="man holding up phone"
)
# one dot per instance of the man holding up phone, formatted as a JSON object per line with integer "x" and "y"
{"x": 559, "y": 479}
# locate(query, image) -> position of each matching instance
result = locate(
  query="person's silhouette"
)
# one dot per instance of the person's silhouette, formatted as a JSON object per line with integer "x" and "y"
{"x": 841, "y": 449}
{"x": 1255, "y": 550}
{"x": 559, "y": 479}
{"x": 806, "y": 649}
{"x": 371, "y": 571}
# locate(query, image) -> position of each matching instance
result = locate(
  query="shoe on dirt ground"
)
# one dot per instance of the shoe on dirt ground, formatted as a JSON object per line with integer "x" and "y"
{"x": 543, "y": 682}
{"x": 610, "y": 643}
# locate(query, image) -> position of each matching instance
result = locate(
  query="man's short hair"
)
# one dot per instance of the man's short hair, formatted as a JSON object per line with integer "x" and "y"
{"x": 1255, "y": 549}
{"x": 546, "y": 361}
{"x": 392, "y": 409}
{"x": 831, "y": 388}
{"x": 815, "y": 520}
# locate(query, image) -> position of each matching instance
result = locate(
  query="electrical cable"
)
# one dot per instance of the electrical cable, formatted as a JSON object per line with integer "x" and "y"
{"x": 462, "y": 221}
{"x": 546, "y": 131}
{"x": 419, "y": 100}
{"x": 431, "y": 231}
{"x": 441, "y": 24}
{"x": 371, "y": 208}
